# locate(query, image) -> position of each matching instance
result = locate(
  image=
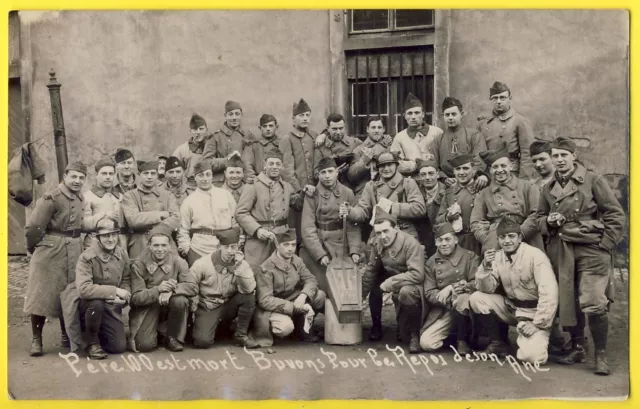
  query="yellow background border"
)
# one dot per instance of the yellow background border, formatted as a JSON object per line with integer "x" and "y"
{"x": 634, "y": 287}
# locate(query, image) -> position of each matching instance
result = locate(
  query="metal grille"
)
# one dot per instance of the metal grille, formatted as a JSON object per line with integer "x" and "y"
{"x": 379, "y": 82}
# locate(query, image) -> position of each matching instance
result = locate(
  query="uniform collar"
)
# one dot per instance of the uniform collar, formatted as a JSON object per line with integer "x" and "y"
{"x": 503, "y": 117}
{"x": 326, "y": 193}
{"x": 68, "y": 193}
{"x": 393, "y": 182}
{"x": 262, "y": 177}
{"x": 300, "y": 134}
{"x": 275, "y": 140}
{"x": 100, "y": 191}
{"x": 280, "y": 262}
{"x": 197, "y": 147}
{"x": 229, "y": 188}
{"x": 154, "y": 190}
{"x": 511, "y": 184}
{"x": 180, "y": 190}
{"x": 578, "y": 175}
{"x": 152, "y": 266}
{"x": 395, "y": 245}
{"x": 103, "y": 255}
{"x": 346, "y": 140}
{"x": 454, "y": 258}
{"x": 457, "y": 187}
{"x": 422, "y": 129}
{"x": 370, "y": 143}
{"x": 516, "y": 258}
{"x": 228, "y": 131}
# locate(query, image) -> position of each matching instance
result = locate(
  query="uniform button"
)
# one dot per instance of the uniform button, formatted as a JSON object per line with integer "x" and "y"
{"x": 439, "y": 281}
{"x": 499, "y": 204}
{"x": 457, "y": 271}
{"x": 559, "y": 234}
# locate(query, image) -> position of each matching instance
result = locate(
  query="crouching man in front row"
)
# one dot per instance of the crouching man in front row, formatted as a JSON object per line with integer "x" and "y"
{"x": 226, "y": 290}
{"x": 287, "y": 295}
{"x": 531, "y": 297}
{"x": 160, "y": 284}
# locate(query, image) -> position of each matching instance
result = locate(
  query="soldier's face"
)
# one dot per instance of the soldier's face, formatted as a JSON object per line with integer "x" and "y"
{"x": 175, "y": 175}
{"x": 464, "y": 173}
{"x": 234, "y": 175}
{"x": 453, "y": 117}
{"x": 287, "y": 249}
{"x": 387, "y": 170}
{"x": 501, "y": 102}
{"x": 446, "y": 243}
{"x": 273, "y": 167}
{"x": 204, "y": 179}
{"x": 336, "y": 130}
{"x": 199, "y": 133}
{"x": 501, "y": 170}
{"x": 159, "y": 246}
{"x": 375, "y": 130}
{"x": 228, "y": 251}
{"x": 414, "y": 116}
{"x": 385, "y": 233}
{"x": 125, "y": 168}
{"x": 543, "y": 164}
{"x": 328, "y": 177}
{"x": 149, "y": 178}
{"x": 302, "y": 120}
{"x": 233, "y": 118}
{"x": 510, "y": 242}
{"x": 428, "y": 177}
{"x": 108, "y": 241}
{"x": 74, "y": 180}
{"x": 563, "y": 160}
{"x": 161, "y": 165}
{"x": 269, "y": 129}
{"x": 105, "y": 177}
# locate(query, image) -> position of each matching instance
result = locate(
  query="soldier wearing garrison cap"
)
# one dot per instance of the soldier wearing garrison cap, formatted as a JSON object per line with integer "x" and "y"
{"x": 103, "y": 200}
{"x": 433, "y": 191}
{"x": 53, "y": 238}
{"x": 506, "y": 196}
{"x": 229, "y": 140}
{"x": 147, "y": 206}
{"x": 396, "y": 265}
{"x": 508, "y": 126}
{"x": 253, "y": 154}
{"x": 125, "y": 171}
{"x": 583, "y": 222}
{"x": 162, "y": 165}
{"x": 530, "y": 300}
{"x": 176, "y": 181}
{"x": 190, "y": 152}
{"x": 322, "y": 226}
{"x": 414, "y": 142}
{"x": 449, "y": 280}
{"x": 541, "y": 157}
{"x": 287, "y": 293}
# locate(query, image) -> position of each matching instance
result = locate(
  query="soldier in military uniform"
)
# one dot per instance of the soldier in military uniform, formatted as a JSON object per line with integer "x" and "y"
{"x": 162, "y": 165}
{"x": 190, "y": 152}
{"x": 396, "y": 266}
{"x": 53, "y": 238}
{"x": 176, "y": 182}
{"x": 229, "y": 139}
{"x": 433, "y": 191}
{"x": 322, "y": 227}
{"x": 582, "y": 221}
{"x": 125, "y": 171}
{"x": 147, "y": 206}
{"x": 253, "y": 154}
{"x": 508, "y": 126}
{"x": 234, "y": 175}
{"x": 541, "y": 157}
{"x": 449, "y": 280}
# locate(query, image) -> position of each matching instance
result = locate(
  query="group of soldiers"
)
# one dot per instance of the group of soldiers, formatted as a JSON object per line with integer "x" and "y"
{"x": 236, "y": 230}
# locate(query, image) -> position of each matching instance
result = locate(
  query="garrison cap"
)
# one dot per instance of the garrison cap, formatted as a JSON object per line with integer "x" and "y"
{"x": 122, "y": 155}
{"x": 202, "y": 165}
{"x": 539, "y": 146}
{"x": 301, "y": 107}
{"x": 231, "y": 105}
{"x": 161, "y": 228}
{"x": 273, "y": 153}
{"x": 381, "y": 216}
{"x": 149, "y": 165}
{"x": 325, "y": 163}
{"x": 459, "y": 159}
{"x": 287, "y": 236}
{"x": 77, "y": 166}
{"x": 234, "y": 162}
{"x": 449, "y": 102}
{"x": 423, "y": 163}
{"x": 507, "y": 225}
{"x": 442, "y": 229}
{"x": 498, "y": 88}
{"x": 103, "y": 163}
{"x": 412, "y": 102}
{"x": 228, "y": 236}
{"x": 266, "y": 118}
{"x": 493, "y": 155}
{"x": 564, "y": 144}
{"x": 172, "y": 163}
{"x": 197, "y": 121}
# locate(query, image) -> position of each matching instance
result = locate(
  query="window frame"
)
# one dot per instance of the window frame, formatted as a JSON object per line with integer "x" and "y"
{"x": 391, "y": 24}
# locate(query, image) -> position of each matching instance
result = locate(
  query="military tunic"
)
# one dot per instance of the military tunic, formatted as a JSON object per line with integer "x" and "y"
{"x": 221, "y": 144}
{"x": 361, "y": 170}
{"x": 425, "y": 225}
{"x": 190, "y": 153}
{"x": 179, "y": 192}
{"x": 337, "y": 148}
{"x": 254, "y": 151}
{"x": 463, "y": 141}
{"x": 410, "y": 145}
{"x": 121, "y": 188}
{"x": 465, "y": 197}
{"x": 53, "y": 236}
{"x": 97, "y": 202}
{"x": 297, "y": 148}
{"x": 236, "y": 193}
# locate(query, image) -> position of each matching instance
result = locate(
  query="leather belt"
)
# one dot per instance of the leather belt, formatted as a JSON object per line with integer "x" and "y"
{"x": 515, "y": 217}
{"x": 139, "y": 231}
{"x": 207, "y": 232}
{"x": 273, "y": 223}
{"x": 524, "y": 303}
{"x": 329, "y": 226}
{"x": 74, "y": 234}
{"x": 577, "y": 217}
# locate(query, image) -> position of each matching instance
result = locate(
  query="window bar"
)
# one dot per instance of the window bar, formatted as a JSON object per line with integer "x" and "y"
{"x": 413, "y": 79}
{"x": 388, "y": 127}
{"x": 378, "y": 90}
{"x": 368, "y": 96}
{"x": 402, "y": 97}
{"x": 355, "y": 99}
{"x": 424, "y": 80}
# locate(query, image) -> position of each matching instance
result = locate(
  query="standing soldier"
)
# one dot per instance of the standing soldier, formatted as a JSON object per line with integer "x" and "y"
{"x": 53, "y": 239}
{"x": 432, "y": 191}
{"x": 190, "y": 152}
{"x": 263, "y": 210}
{"x": 583, "y": 222}
{"x": 508, "y": 126}
{"x": 125, "y": 171}
{"x": 393, "y": 192}
{"x": 253, "y": 154}
{"x": 414, "y": 142}
{"x": 322, "y": 227}
{"x": 206, "y": 212}
{"x": 542, "y": 163}
{"x": 228, "y": 140}
{"x": 147, "y": 206}
{"x": 103, "y": 201}
{"x": 507, "y": 196}
{"x": 176, "y": 183}
{"x": 458, "y": 202}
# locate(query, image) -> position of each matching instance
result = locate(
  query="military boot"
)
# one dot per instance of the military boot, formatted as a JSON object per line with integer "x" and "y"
{"x": 95, "y": 351}
{"x": 577, "y": 354}
{"x": 602, "y": 366}
{"x": 173, "y": 344}
{"x": 36, "y": 346}
{"x": 599, "y": 326}
{"x": 241, "y": 336}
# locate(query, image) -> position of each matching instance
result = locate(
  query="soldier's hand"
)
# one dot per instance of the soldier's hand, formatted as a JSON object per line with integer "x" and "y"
{"x": 555, "y": 219}
{"x": 489, "y": 257}
{"x": 324, "y": 261}
{"x": 299, "y": 302}
{"x": 309, "y": 190}
{"x": 367, "y": 153}
{"x": 239, "y": 258}
{"x": 355, "y": 258}
{"x": 164, "y": 298}
{"x": 387, "y": 139}
{"x": 344, "y": 210}
{"x": 165, "y": 287}
{"x": 264, "y": 234}
{"x": 124, "y": 294}
{"x": 448, "y": 182}
{"x": 527, "y": 328}
{"x": 452, "y": 216}
{"x": 481, "y": 182}
{"x": 193, "y": 306}
{"x": 164, "y": 215}
{"x": 320, "y": 139}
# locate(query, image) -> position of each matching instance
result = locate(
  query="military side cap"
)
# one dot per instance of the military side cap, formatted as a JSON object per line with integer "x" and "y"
{"x": 346, "y": 158}
{"x": 498, "y": 88}
{"x": 197, "y": 121}
{"x": 234, "y": 162}
{"x": 442, "y": 229}
{"x": 326, "y": 163}
{"x": 386, "y": 157}
{"x": 202, "y": 165}
{"x": 538, "y": 147}
{"x": 287, "y": 236}
{"x": 149, "y": 165}
{"x": 228, "y": 236}
{"x": 163, "y": 157}
{"x": 273, "y": 153}
{"x": 161, "y": 228}
{"x": 104, "y": 162}
{"x": 459, "y": 159}
{"x": 449, "y": 102}
{"x": 231, "y": 105}
{"x": 301, "y": 107}
{"x": 411, "y": 102}
{"x": 122, "y": 155}
{"x": 382, "y": 216}
{"x": 266, "y": 118}
{"x": 139, "y": 163}
{"x": 493, "y": 155}
{"x": 172, "y": 163}
{"x": 564, "y": 144}
{"x": 107, "y": 226}
{"x": 76, "y": 166}
{"x": 507, "y": 225}
{"x": 424, "y": 163}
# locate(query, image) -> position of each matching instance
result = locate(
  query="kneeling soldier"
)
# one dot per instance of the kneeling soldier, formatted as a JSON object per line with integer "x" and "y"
{"x": 287, "y": 294}
{"x": 449, "y": 280}
{"x": 160, "y": 284}
{"x": 226, "y": 290}
{"x": 103, "y": 281}
{"x": 531, "y": 297}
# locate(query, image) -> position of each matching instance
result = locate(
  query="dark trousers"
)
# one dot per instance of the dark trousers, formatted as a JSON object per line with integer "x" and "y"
{"x": 102, "y": 327}
{"x": 192, "y": 257}
{"x": 175, "y": 313}
{"x": 205, "y": 322}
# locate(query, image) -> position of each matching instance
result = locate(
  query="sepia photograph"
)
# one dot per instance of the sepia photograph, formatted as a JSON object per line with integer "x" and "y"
{"x": 378, "y": 204}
